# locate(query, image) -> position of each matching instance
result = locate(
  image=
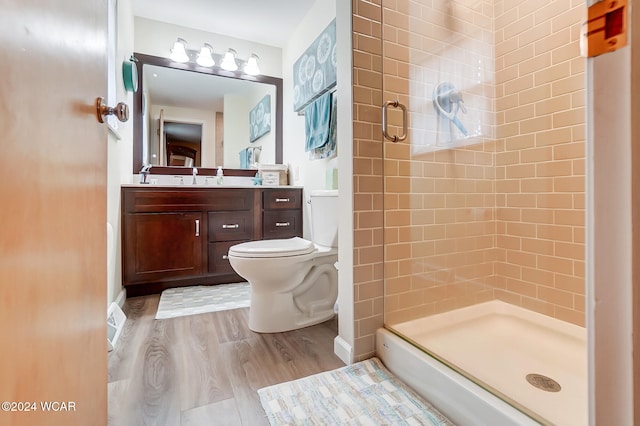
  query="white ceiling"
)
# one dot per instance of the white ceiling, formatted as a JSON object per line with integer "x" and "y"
{"x": 267, "y": 22}
{"x": 263, "y": 21}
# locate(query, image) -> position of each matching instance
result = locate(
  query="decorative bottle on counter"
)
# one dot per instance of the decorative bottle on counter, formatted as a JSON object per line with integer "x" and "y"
{"x": 219, "y": 176}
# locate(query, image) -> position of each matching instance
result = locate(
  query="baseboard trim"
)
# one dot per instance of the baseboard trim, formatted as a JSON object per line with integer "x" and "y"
{"x": 122, "y": 296}
{"x": 343, "y": 350}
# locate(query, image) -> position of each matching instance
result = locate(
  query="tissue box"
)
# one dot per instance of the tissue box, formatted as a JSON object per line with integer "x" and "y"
{"x": 273, "y": 174}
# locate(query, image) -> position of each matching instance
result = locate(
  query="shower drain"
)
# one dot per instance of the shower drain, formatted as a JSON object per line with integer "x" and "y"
{"x": 543, "y": 382}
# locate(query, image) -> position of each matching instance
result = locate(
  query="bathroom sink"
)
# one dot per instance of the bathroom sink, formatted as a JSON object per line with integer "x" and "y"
{"x": 186, "y": 181}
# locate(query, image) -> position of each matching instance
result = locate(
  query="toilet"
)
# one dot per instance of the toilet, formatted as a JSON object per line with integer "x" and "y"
{"x": 294, "y": 282}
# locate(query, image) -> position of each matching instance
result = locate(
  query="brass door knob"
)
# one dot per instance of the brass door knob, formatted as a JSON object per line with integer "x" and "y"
{"x": 121, "y": 111}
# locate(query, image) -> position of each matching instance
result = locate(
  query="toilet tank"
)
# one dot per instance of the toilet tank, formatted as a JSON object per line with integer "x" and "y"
{"x": 324, "y": 217}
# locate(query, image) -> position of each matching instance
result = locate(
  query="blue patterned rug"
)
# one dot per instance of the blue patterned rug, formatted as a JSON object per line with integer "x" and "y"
{"x": 365, "y": 393}
{"x": 181, "y": 301}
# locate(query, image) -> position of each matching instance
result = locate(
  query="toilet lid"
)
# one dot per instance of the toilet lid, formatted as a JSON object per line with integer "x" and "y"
{"x": 273, "y": 248}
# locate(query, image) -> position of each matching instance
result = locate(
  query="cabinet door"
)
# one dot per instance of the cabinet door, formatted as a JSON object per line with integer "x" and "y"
{"x": 162, "y": 245}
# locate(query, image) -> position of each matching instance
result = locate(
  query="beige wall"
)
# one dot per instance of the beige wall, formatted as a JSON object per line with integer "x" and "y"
{"x": 498, "y": 215}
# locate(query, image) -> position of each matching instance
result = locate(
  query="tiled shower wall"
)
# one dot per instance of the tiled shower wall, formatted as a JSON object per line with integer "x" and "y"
{"x": 367, "y": 176}
{"x": 540, "y": 167}
{"x": 500, "y": 217}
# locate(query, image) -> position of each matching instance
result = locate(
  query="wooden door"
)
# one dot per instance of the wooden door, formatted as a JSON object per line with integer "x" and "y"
{"x": 53, "y": 212}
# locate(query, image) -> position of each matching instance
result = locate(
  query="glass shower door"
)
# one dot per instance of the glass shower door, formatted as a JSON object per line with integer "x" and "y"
{"x": 483, "y": 119}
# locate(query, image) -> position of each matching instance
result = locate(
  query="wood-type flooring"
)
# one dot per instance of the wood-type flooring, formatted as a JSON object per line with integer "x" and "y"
{"x": 205, "y": 369}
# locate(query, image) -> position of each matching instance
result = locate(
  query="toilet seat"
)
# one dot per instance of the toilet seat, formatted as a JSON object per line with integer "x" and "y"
{"x": 295, "y": 246}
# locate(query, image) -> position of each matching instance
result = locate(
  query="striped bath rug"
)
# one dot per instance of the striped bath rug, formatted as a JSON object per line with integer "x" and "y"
{"x": 365, "y": 393}
{"x": 181, "y": 301}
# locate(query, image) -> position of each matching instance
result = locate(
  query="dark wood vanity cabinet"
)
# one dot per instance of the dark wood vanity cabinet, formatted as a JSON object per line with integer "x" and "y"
{"x": 174, "y": 237}
{"x": 282, "y": 213}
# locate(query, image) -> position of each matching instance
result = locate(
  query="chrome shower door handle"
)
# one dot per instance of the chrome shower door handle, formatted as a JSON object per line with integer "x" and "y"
{"x": 385, "y": 132}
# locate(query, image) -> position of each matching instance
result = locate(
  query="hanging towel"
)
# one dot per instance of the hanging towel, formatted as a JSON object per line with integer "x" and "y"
{"x": 330, "y": 149}
{"x": 317, "y": 117}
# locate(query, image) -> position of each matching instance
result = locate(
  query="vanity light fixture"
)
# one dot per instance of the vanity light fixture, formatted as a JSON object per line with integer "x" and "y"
{"x": 229, "y": 61}
{"x": 251, "y": 67}
{"x": 179, "y": 51}
{"x": 204, "y": 57}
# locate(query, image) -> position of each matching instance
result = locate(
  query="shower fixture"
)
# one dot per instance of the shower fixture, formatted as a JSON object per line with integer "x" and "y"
{"x": 447, "y": 101}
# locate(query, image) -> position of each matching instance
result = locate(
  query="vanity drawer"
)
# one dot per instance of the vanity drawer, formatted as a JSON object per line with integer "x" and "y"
{"x": 282, "y": 199}
{"x": 282, "y": 224}
{"x": 230, "y": 226}
{"x": 218, "y": 261}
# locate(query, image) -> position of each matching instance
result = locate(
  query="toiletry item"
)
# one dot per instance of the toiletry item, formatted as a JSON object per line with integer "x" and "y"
{"x": 219, "y": 176}
{"x": 257, "y": 180}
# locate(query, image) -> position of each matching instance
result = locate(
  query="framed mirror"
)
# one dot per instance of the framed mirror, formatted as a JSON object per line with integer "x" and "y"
{"x": 173, "y": 130}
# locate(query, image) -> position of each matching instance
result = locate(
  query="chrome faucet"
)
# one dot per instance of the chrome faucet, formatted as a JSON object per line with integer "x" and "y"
{"x": 144, "y": 171}
{"x": 195, "y": 172}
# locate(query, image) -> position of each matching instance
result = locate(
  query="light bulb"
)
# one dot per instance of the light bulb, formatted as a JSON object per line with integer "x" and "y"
{"x": 179, "y": 53}
{"x": 229, "y": 61}
{"x": 204, "y": 57}
{"x": 251, "y": 67}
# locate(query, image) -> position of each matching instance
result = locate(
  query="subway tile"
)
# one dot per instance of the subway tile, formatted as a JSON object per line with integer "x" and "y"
{"x": 554, "y": 201}
{"x": 535, "y": 94}
{"x": 569, "y": 118}
{"x": 552, "y": 73}
{"x": 536, "y": 155}
{"x": 538, "y": 124}
{"x": 555, "y": 264}
{"x": 545, "y": 216}
{"x": 536, "y": 185}
{"x": 554, "y": 104}
{"x": 521, "y": 258}
{"x": 538, "y": 276}
{"x": 550, "y": 11}
{"x": 555, "y": 232}
{"x": 570, "y": 84}
{"x": 534, "y": 65}
{"x": 569, "y": 250}
{"x": 566, "y": 53}
{"x": 534, "y": 245}
{"x": 569, "y": 283}
{"x": 568, "y": 18}
{"x": 554, "y": 168}
{"x": 569, "y": 184}
{"x": 553, "y": 136}
{"x": 513, "y": 29}
{"x": 533, "y": 33}
{"x": 552, "y": 41}
{"x": 555, "y": 296}
{"x": 521, "y": 287}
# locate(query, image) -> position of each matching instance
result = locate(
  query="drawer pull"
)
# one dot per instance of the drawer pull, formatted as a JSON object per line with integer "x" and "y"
{"x": 280, "y": 224}
{"x": 282, "y": 200}
{"x": 197, "y": 227}
{"x": 231, "y": 226}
